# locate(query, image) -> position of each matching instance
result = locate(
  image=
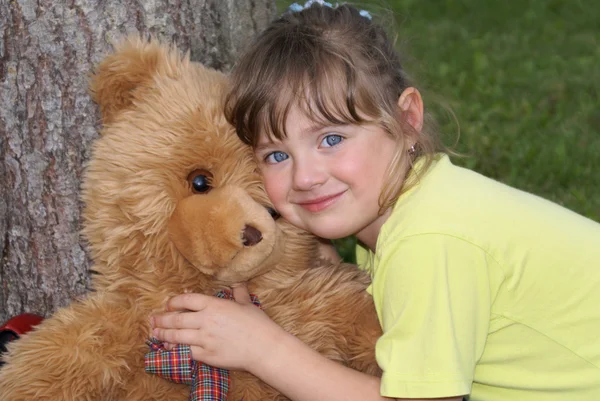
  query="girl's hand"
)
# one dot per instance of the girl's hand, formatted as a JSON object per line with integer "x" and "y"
{"x": 222, "y": 333}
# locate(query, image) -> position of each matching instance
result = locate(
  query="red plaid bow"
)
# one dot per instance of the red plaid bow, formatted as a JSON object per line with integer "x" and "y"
{"x": 208, "y": 383}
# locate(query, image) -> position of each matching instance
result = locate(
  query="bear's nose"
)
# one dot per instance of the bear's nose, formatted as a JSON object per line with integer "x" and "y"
{"x": 251, "y": 236}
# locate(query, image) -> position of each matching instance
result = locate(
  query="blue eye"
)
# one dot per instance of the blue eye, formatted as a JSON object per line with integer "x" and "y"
{"x": 276, "y": 157}
{"x": 331, "y": 140}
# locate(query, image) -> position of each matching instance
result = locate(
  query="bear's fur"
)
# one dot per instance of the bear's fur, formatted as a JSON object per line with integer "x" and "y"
{"x": 153, "y": 235}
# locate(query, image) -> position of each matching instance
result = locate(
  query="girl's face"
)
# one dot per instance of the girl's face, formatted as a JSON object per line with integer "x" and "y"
{"x": 327, "y": 179}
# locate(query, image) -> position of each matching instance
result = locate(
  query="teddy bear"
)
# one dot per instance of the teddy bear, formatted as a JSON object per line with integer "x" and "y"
{"x": 173, "y": 203}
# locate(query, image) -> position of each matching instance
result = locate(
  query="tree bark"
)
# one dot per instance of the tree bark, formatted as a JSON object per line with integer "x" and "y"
{"x": 47, "y": 121}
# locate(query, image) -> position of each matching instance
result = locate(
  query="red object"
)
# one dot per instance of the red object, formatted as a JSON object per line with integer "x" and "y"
{"x": 22, "y": 323}
{"x": 16, "y": 327}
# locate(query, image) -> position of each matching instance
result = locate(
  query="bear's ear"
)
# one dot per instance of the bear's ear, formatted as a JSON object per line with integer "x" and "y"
{"x": 128, "y": 70}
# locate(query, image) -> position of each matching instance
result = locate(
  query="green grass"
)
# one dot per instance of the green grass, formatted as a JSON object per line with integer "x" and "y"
{"x": 523, "y": 80}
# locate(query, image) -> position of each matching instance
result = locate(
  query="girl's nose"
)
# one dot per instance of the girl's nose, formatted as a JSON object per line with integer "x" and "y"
{"x": 307, "y": 175}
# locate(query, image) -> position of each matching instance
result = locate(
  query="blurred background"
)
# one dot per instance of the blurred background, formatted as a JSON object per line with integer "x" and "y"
{"x": 514, "y": 86}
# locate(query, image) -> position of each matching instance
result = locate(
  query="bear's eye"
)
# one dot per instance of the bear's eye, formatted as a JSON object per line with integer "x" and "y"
{"x": 273, "y": 213}
{"x": 200, "y": 181}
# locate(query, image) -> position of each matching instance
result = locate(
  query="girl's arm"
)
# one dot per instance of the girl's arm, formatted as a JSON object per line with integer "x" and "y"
{"x": 303, "y": 374}
{"x": 237, "y": 335}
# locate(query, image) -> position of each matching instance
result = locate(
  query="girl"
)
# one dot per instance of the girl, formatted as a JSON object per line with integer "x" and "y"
{"x": 482, "y": 290}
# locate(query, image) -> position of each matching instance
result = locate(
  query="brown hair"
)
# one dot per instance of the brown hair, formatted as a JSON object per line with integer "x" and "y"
{"x": 340, "y": 68}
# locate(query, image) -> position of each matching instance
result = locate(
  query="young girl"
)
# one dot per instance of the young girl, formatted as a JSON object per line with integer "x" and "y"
{"x": 482, "y": 290}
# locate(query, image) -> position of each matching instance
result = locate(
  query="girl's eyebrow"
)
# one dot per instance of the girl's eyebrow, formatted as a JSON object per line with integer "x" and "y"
{"x": 326, "y": 126}
{"x": 263, "y": 145}
{"x": 314, "y": 128}
{"x": 323, "y": 127}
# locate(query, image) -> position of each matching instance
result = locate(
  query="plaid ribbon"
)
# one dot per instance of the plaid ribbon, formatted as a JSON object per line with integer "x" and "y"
{"x": 208, "y": 383}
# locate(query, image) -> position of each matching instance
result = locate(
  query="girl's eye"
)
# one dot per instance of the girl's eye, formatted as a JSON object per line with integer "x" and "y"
{"x": 331, "y": 140}
{"x": 276, "y": 157}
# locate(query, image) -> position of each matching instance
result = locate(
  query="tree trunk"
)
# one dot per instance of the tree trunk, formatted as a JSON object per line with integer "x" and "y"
{"x": 47, "y": 121}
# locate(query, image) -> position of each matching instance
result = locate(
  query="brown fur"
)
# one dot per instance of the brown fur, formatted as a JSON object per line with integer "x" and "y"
{"x": 151, "y": 237}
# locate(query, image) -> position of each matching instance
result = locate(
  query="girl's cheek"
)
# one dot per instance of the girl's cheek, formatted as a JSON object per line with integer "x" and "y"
{"x": 275, "y": 188}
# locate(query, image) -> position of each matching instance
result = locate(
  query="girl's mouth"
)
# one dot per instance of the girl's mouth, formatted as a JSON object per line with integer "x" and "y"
{"x": 319, "y": 204}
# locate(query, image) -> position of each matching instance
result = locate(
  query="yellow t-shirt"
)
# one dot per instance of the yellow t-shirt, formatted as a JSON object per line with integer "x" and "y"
{"x": 486, "y": 290}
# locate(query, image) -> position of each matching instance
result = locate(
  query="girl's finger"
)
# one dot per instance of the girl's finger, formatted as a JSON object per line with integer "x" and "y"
{"x": 177, "y": 320}
{"x": 190, "y": 302}
{"x": 241, "y": 293}
{"x": 161, "y": 316}
{"x": 174, "y": 336}
{"x": 198, "y": 353}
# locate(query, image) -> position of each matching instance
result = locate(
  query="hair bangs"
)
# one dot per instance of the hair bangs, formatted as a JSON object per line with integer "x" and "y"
{"x": 326, "y": 89}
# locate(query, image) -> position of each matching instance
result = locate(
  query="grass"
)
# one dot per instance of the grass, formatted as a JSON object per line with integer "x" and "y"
{"x": 521, "y": 77}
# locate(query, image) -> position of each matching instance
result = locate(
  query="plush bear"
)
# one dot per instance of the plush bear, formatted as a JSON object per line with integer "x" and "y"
{"x": 174, "y": 204}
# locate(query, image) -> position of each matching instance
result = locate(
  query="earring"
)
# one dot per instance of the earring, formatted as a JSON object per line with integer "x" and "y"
{"x": 412, "y": 150}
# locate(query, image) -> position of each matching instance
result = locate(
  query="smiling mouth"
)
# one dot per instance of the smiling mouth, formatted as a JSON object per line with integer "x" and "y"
{"x": 320, "y": 204}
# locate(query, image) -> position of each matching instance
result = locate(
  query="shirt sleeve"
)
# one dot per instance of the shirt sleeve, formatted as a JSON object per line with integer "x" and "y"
{"x": 432, "y": 295}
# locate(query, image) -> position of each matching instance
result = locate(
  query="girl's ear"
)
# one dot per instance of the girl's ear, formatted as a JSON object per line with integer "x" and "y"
{"x": 411, "y": 106}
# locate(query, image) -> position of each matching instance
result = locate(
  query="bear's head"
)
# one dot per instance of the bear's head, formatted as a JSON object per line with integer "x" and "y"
{"x": 171, "y": 194}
